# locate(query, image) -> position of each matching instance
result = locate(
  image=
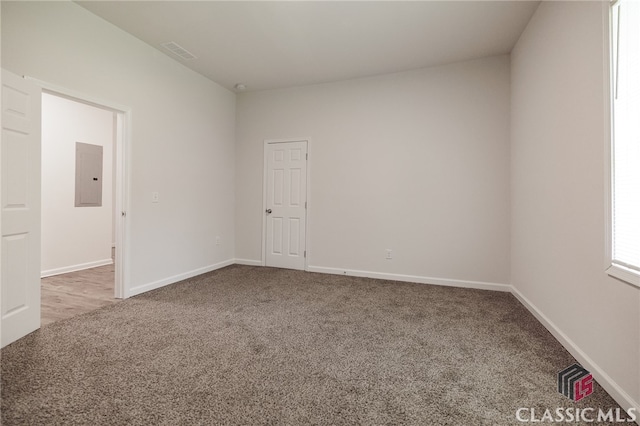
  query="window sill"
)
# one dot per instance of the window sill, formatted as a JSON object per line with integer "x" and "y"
{"x": 625, "y": 274}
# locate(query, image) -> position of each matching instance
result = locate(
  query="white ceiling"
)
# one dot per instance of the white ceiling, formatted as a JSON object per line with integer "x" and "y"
{"x": 268, "y": 45}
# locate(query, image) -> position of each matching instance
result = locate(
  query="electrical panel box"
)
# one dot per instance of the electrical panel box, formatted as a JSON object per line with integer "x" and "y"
{"x": 88, "y": 175}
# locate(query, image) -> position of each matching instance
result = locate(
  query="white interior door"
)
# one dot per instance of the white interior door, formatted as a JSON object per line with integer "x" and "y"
{"x": 286, "y": 204}
{"x": 20, "y": 209}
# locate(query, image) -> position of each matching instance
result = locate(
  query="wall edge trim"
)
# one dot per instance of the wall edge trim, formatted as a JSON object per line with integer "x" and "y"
{"x": 134, "y": 291}
{"x": 248, "y": 262}
{"x": 413, "y": 278}
{"x": 74, "y": 268}
{"x": 610, "y": 385}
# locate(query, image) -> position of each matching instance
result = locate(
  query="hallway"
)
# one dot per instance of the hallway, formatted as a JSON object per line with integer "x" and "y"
{"x": 67, "y": 295}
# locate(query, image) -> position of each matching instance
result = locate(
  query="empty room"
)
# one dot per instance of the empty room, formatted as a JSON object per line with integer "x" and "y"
{"x": 419, "y": 213}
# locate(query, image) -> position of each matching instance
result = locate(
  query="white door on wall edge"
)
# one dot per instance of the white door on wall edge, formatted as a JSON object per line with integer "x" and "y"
{"x": 286, "y": 204}
{"x": 20, "y": 208}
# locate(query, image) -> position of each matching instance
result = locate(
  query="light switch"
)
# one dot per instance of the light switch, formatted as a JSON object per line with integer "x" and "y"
{"x": 155, "y": 197}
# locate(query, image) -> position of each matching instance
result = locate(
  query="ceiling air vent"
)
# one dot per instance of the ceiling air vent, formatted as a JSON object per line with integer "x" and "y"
{"x": 176, "y": 49}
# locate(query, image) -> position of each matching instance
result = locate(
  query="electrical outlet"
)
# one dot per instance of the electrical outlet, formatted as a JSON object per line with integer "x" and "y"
{"x": 218, "y": 241}
{"x": 388, "y": 254}
{"x": 155, "y": 197}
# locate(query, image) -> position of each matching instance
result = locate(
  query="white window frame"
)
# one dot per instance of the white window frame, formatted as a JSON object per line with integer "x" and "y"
{"x": 613, "y": 269}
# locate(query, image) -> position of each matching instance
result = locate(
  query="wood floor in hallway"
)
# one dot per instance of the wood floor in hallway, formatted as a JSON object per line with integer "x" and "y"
{"x": 67, "y": 295}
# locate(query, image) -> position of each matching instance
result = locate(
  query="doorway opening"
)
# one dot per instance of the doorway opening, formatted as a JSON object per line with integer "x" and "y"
{"x": 82, "y": 197}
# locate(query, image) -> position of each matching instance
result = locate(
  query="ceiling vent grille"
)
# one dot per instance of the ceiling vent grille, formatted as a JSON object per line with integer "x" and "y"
{"x": 178, "y": 50}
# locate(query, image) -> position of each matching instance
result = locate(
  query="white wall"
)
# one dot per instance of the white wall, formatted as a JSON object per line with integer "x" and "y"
{"x": 558, "y": 205}
{"x": 417, "y": 162}
{"x": 73, "y": 238}
{"x": 182, "y": 132}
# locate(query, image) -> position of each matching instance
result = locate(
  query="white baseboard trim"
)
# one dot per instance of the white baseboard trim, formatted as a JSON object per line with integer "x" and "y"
{"x": 616, "y": 392}
{"x": 74, "y": 268}
{"x": 174, "y": 279}
{"x": 248, "y": 262}
{"x": 412, "y": 278}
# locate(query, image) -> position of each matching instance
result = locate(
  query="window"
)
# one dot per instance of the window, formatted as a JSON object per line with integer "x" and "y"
{"x": 625, "y": 141}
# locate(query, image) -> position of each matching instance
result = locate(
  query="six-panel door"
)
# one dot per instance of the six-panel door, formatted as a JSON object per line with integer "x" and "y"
{"x": 286, "y": 197}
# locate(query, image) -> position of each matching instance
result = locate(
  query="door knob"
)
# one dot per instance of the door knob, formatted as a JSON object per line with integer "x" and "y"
{"x": 268, "y": 211}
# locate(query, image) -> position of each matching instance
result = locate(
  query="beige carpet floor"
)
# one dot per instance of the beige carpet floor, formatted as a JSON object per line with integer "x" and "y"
{"x": 256, "y": 346}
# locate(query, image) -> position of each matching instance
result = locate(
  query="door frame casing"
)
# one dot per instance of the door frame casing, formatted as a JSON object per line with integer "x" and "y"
{"x": 266, "y": 144}
{"x": 122, "y": 176}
